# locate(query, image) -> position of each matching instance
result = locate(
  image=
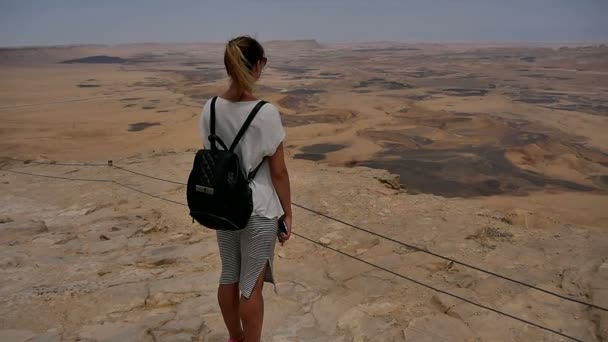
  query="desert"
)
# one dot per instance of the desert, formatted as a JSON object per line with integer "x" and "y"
{"x": 494, "y": 155}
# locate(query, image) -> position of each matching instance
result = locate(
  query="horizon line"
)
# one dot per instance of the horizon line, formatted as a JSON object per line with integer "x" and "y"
{"x": 388, "y": 41}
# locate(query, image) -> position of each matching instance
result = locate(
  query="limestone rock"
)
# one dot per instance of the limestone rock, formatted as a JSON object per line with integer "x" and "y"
{"x": 137, "y": 242}
{"x": 5, "y": 219}
{"x": 99, "y": 207}
{"x": 189, "y": 316}
{"x": 175, "y": 290}
{"x": 392, "y": 181}
{"x": 438, "y": 327}
{"x": 123, "y": 297}
{"x": 332, "y": 306}
{"x": 51, "y": 335}
{"x": 115, "y": 332}
{"x": 105, "y": 246}
{"x": 181, "y": 337}
{"x": 158, "y": 256}
{"x": 454, "y": 307}
{"x": 166, "y": 255}
{"x": 299, "y": 292}
{"x": 50, "y": 240}
{"x": 378, "y": 309}
{"x": 157, "y": 317}
{"x": 330, "y": 237}
{"x": 151, "y": 228}
{"x": 11, "y": 260}
{"x": 364, "y": 327}
{"x": 25, "y": 228}
{"x": 197, "y": 251}
{"x": 599, "y": 294}
{"x": 296, "y": 328}
{"x": 350, "y": 320}
{"x": 104, "y": 271}
{"x": 574, "y": 282}
{"x": 14, "y": 335}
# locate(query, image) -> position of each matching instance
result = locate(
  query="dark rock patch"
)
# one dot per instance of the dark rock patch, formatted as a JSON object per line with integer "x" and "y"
{"x": 309, "y": 156}
{"x": 422, "y": 140}
{"x": 390, "y": 49}
{"x": 322, "y": 148}
{"x": 330, "y": 74}
{"x": 465, "y": 92}
{"x": 304, "y": 91}
{"x": 293, "y": 69}
{"x": 602, "y": 180}
{"x": 197, "y": 63}
{"x": 301, "y": 120}
{"x": 466, "y": 172}
{"x": 298, "y": 99}
{"x": 382, "y": 83}
{"x": 528, "y": 59}
{"x": 425, "y": 72}
{"x": 418, "y": 97}
{"x": 537, "y": 98}
{"x": 292, "y": 102}
{"x": 489, "y": 235}
{"x": 548, "y": 77}
{"x": 555, "y": 100}
{"x": 591, "y": 108}
{"x": 140, "y": 126}
{"x": 391, "y": 85}
{"x": 102, "y": 59}
{"x": 153, "y": 82}
{"x": 201, "y": 76}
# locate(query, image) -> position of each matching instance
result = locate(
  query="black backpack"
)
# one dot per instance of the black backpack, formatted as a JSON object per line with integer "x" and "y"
{"x": 218, "y": 191}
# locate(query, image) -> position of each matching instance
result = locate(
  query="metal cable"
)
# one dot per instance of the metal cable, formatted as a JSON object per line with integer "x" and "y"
{"x": 408, "y": 245}
{"x": 411, "y": 246}
{"x": 345, "y": 254}
{"x": 59, "y": 177}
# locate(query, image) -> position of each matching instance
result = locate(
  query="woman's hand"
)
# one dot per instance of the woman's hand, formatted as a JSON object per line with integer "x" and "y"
{"x": 288, "y": 220}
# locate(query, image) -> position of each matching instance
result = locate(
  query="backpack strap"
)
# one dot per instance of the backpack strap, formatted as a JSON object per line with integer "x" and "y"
{"x": 252, "y": 174}
{"x": 243, "y": 129}
{"x": 212, "y": 136}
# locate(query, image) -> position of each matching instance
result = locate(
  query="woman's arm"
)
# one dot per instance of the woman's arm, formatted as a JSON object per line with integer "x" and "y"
{"x": 280, "y": 180}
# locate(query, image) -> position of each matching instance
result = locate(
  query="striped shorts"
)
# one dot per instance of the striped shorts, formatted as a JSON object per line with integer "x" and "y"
{"x": 245, "y": 252}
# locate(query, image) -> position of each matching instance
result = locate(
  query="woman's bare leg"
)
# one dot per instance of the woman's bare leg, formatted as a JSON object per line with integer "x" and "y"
{"x": 228, "y": 297}
{"x": 252, "y": 311}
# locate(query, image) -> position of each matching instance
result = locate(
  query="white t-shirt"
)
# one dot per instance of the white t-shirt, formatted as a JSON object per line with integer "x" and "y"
{"x": 261, "y": 139}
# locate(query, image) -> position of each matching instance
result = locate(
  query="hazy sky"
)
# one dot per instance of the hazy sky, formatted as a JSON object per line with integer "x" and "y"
{"x": 44, "y": 22}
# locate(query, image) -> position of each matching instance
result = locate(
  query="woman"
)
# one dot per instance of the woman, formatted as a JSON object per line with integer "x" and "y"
{"x": 247, "y": 255}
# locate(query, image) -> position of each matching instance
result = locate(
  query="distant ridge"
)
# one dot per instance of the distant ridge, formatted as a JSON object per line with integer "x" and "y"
{"x": 293, "y": 44}
{"x": 102, "y": 59}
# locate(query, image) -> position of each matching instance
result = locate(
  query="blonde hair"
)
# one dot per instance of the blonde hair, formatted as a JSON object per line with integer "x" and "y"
{"x": 241, "y": 55}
